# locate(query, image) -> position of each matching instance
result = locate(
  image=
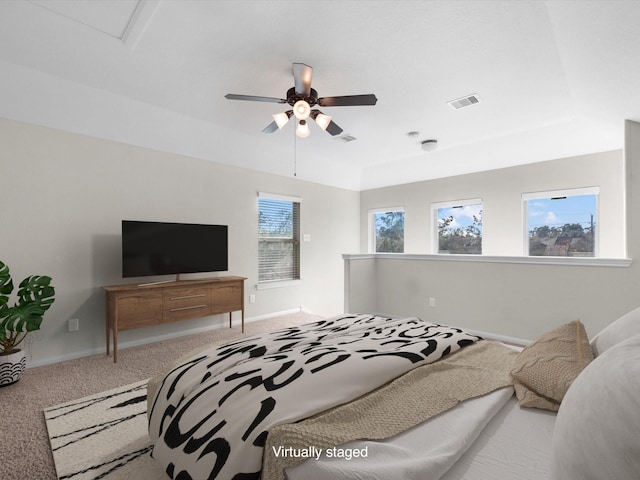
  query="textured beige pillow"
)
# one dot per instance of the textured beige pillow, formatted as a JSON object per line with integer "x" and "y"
{"x": 544, "y": 371}
{"x": 530, "y": 399}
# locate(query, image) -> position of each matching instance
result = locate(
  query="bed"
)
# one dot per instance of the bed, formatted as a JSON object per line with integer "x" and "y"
{"x": 432, "y": 402}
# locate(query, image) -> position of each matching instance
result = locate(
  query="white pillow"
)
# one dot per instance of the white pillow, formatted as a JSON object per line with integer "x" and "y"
{"x": 625, "y": 327}
{"x": 597, "y": 431}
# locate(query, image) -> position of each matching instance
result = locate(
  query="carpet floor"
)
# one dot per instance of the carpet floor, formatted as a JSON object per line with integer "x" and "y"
{"x": 24, "y": 450}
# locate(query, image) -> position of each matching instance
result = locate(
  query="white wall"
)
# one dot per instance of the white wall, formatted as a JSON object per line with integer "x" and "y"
{"x": 501, "y": 193}
{"x": 517, "y": 300}
{"x": 64, "y": 196}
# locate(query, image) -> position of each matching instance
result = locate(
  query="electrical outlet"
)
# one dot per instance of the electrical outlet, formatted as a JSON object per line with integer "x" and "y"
{"x": 74, "y": 324}
{"x": 252, "y": 298}
{"x": 432, "y": 302}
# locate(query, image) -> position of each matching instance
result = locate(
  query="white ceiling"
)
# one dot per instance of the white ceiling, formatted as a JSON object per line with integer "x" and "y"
{"x": 556, "y": 79}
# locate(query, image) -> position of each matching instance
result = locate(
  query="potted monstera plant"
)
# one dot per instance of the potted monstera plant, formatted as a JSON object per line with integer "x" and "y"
{"x": 35, "y": 296}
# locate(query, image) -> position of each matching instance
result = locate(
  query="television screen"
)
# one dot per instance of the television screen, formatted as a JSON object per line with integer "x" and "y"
{"x": 159, "y": 248}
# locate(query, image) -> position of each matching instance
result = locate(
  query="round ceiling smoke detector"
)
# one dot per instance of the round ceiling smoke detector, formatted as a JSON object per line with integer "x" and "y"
{"x": 429, "y": 145}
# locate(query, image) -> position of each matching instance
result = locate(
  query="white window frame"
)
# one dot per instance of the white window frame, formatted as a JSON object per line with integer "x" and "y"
{"x": 435, "y": 206}
{"x": 372, "y": 224}
{"x": 264, "y": 284}
{"x": 567, "y": 192}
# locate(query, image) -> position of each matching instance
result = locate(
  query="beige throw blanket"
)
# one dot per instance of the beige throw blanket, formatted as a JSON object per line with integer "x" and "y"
{"x": 418, "y": 395}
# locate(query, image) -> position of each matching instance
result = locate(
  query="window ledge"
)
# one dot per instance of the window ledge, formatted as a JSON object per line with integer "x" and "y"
{"x": 572, "y": 261}
{"x": 277, "y": 284}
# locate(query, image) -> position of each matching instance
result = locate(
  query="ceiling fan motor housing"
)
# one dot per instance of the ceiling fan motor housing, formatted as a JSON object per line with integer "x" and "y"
{"x": 293, "y": 97}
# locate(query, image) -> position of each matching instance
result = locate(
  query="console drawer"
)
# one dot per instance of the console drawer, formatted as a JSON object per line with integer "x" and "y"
{"x": 185, "y": 303}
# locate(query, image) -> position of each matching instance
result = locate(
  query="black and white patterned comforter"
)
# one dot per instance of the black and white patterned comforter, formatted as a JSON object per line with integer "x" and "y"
{"x": 211, "y": 415}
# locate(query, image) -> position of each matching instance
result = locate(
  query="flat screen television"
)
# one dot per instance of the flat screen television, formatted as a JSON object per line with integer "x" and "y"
{"x": 160, "y": 248}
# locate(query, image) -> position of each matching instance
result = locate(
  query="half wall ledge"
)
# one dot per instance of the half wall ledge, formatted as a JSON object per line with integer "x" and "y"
{"x": 571, "y": 261}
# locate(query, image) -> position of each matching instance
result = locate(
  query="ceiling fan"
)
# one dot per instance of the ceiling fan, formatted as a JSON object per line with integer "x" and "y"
{"x": 302, "y": 98}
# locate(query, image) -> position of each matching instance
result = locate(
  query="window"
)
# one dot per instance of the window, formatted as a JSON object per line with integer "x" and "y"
{"x": 278, "y": 238}
{"x": 561, "y": 223}
{"x": 386, "y": 230}
{"x": 458, "y": 227}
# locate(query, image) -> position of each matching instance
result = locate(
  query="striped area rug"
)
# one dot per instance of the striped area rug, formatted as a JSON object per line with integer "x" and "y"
{"x": 103, "y": 436}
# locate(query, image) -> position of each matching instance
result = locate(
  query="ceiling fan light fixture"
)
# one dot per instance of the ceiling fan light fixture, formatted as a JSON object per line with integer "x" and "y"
{"x": 301, "y": 109}
{"x": 281, "y": 119}
{"x": 321, "y": 119}
{"x": 302, "y": 130}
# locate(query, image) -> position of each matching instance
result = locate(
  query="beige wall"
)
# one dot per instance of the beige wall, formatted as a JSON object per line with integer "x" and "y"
{"x": 64, "y": 196}
{"x": 517, "y": 300}
{"x": 501, "y": 193}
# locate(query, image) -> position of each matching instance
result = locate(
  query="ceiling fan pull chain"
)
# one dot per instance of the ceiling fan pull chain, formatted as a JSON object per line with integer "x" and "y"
{"x": 295, "y": 154}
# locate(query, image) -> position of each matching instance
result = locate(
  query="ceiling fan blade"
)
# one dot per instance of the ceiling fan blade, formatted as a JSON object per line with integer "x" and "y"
{"x": 302, "y": 75}
{"x": 272, "y": 127}
{"x": 333, "y": 128}
{"x": 348, "y": 100}
{"x": 251, "y": 98}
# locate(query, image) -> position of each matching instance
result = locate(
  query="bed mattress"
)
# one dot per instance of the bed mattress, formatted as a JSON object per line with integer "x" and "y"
{"x": 516, "y": 443}
{"x": 485, "y": 437}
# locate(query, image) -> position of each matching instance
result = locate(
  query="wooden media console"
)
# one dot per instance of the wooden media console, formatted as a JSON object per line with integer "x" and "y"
{"x": 137, "y": 306}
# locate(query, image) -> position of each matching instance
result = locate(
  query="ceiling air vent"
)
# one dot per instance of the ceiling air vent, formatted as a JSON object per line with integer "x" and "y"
{"x": 465, "y": 101}
{"x": 346, "y": 138}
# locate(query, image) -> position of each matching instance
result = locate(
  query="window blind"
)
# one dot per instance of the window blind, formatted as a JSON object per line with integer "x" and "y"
{"x": 278, "y": 238}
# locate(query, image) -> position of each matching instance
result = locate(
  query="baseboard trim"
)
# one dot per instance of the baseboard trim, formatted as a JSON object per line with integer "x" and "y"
{"x": 159, "y": 338}
{"x": 168, "y": 336}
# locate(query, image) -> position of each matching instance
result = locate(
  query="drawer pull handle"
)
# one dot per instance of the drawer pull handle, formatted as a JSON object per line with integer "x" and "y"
{"x": 187, "y": 308}
{"x": 189, "y": 296}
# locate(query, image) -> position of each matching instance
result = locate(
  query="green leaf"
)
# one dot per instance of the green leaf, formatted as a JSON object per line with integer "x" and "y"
{"x": 25, "y": 318}
{"x": 6, "y": 284}
{"x": 37, "y": 290}
{"x": 35, "y": 296}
